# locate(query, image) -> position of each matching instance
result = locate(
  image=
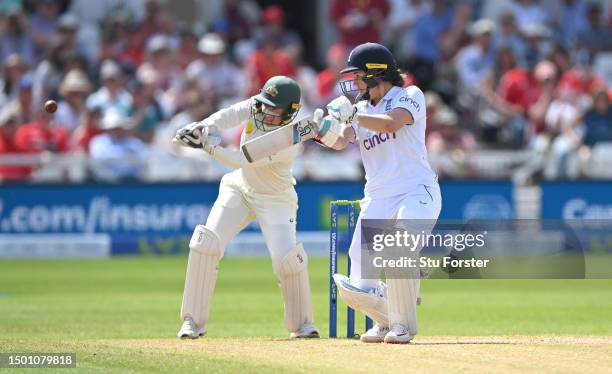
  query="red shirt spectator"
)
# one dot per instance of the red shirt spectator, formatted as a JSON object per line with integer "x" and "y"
{"x": 519, "y": 87}
{"x": 8, "y": 126}
{"x": 358, "y": 21}
{"x": 582, "y": 82}
{"x": 267, "y": 62}
{"x": 39, "y": 136}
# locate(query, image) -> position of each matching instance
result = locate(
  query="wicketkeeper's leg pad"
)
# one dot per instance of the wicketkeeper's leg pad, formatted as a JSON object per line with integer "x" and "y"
{"x": 204, "y": 255}
{"x": 295, "y": 287}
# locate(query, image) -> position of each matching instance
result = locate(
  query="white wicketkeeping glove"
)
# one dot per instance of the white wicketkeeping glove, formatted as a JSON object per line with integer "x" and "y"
{"x": 342, "y": 109}
{"x": 197, "y": 135}
{"x": 330, "y": 129}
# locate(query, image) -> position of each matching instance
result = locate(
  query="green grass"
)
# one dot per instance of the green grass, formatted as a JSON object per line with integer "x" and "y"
{"x": 84, "y": 305}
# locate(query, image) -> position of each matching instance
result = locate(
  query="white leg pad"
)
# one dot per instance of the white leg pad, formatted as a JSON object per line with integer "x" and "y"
{"x": 401, "y": 294}
{"x": 204, "y": 256}
{"x": 371, "y": 305}
{"x": 295, "y": 287}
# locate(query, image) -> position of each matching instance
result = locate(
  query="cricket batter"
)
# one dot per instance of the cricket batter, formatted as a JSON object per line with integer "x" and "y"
{"x": 388, "y": 121}
{"x": 262, "y": 190}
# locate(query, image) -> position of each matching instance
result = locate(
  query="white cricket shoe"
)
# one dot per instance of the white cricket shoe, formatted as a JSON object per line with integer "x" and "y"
{"x": 375, "y": 335}
{"x": 398, "y": 334}
{"x": 190, "y": 330}
{"x": 306, "y": 331}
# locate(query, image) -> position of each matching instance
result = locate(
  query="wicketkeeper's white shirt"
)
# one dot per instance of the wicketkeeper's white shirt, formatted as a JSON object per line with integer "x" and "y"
{"x": 396, "y": 163}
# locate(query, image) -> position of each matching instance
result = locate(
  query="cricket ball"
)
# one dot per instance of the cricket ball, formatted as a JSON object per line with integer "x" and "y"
{"x": 51, "y": 106}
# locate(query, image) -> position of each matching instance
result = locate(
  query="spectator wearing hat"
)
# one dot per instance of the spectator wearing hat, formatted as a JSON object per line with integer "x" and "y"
{"x": 117, "y": 155}
{"x": 213, "y": 71}
{"x": 111, "y": 94}
{"x": 16, "y": 39}
{"x": 8, "y": 127}
{"x": 74, "y": 90}
{"x": 474, "y": 62}
{"x": 159, "y": 68}
{"x": 358, "y": 22}
{"x": 14, "y": 68}
{"x": 273, "y": 19}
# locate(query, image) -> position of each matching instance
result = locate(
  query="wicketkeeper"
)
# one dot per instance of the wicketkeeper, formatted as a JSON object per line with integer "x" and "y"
{"x": 262, "y": 190}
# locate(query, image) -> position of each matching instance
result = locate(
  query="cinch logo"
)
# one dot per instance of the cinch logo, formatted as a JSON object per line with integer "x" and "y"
{"x": 411, "y": 101}
{"x": 372, "y": 142}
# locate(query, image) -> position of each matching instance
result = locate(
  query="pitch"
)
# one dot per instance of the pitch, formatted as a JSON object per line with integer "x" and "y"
{"x": 122, "y": 315}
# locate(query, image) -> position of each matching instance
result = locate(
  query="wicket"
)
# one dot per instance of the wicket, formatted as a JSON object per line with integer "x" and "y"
{"x": 334, "y": 247}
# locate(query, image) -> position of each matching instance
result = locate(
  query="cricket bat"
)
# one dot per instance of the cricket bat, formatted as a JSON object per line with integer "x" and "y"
{"x": 275, "y": 141}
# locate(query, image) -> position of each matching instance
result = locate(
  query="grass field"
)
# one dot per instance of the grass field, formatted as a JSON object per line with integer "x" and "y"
{"x": 122, "y": 315}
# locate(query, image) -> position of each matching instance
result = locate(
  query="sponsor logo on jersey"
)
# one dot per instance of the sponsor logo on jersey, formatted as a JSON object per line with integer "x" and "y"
{"x": 388, "y": 106}
{"x": 406, "y": 99}
{"x": 249, "y": 128}
{"x": 373, "y": 141}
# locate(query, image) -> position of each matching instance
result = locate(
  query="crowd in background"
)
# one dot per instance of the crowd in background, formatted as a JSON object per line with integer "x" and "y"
{"x": 498, "y": 74}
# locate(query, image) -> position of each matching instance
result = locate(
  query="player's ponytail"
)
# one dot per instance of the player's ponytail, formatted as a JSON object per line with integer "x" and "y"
{"x": 395, "y": 78}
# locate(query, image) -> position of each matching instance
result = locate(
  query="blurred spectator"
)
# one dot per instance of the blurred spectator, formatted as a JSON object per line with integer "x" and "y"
{"x": 150, "y": 23}
{"x": 240, "y": 17}
{"x": 508, "y": 36}
{"x": 529, "y": 12}
{"x": 582, "y": 79}
{"x": 74, "y": 90}
{"x": 146, "y": 112}
{"x": 196, "y": 107}
{"x": 403, "y": 16}
{"x": 444, "y": 133}
{"x": 273, "y": 18}
{"x": 537, "y": 44}
{"x": 12, "y": 71}
{"x": 160, "y": 63}
{"x": 50, "y": 72}
{"x": 41, "y": 136}
{"x": 215, "y": 73}
{"x": 43, "y": 23}
{"x": 111, "y": 94}
{"x": 427, "y": 35}
{"x": 544, "y": 91}
{"x": 327, "y": 80}
{"x": 187, "y": 48}
{"x": 598, "y": 36}
{"x": 21, "y": 106}
{"x": 87, "y": 129}
{"x": 571, "y": 20}
{"x": 358, "y": 21}
{"x": 14, "y": 37}
{"x": 8, "y": 128}
{"x": 474, "y": 62}
{"x": 269, "y": 60}
{"x": 67, "y": 27}
{"x": 598, "y": 120}
{"x": 458, "y": 36}
{"x": 561, "y": 58}
{"x": 118, "y": 155}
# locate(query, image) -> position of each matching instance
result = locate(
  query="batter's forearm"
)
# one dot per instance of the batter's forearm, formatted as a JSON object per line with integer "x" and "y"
{"x": 377, "y": 122}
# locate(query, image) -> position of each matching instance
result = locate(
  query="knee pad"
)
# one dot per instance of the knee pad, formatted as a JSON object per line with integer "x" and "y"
{"x": 294, "y": 262}
{"x": 205, "y": 241}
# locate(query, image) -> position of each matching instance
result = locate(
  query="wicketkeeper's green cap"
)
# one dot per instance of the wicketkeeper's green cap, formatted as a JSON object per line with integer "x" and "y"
{"x": 280, "y": 92}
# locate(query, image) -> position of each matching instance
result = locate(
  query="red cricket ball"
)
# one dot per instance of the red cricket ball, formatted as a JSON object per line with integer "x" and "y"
{"x": 51, "y": 106}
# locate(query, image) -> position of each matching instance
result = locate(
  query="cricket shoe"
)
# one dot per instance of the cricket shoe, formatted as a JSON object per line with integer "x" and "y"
{"x": 306, "y": 331}
{"x": 398, "y": 334}
{"x": 190, "y": 330}
{"x": 375, "y": 335}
